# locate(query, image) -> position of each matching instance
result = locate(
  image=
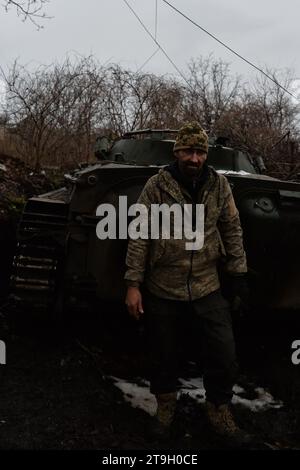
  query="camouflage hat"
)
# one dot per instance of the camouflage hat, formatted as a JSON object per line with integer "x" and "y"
{"x": 191, "y": 135}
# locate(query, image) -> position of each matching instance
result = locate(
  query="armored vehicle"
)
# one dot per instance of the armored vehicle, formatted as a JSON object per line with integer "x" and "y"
{"x": 60, "y": 262}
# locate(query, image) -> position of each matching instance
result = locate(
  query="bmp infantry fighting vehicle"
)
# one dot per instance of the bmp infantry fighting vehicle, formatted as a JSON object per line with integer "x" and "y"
{"x": 61, "y": 263}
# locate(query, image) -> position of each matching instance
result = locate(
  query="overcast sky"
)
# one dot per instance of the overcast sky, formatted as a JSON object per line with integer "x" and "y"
{"x": 266, "y": 32}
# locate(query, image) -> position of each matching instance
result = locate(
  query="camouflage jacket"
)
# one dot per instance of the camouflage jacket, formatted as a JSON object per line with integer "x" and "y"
{"x": 167, "y": 268}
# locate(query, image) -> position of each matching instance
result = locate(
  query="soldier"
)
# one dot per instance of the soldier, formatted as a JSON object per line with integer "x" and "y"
{"x": 180, "y": 285}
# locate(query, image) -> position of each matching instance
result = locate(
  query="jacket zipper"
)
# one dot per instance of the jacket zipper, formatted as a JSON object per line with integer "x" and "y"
{"x": 192, "y": 252}
{"x": 205, "y": 196}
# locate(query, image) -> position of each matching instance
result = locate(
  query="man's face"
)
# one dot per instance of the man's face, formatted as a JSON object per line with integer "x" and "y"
{"x": 191, "y": 161}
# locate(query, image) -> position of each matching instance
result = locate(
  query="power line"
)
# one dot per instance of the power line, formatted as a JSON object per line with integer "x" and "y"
{"x": 229, "y": 48}
{"x": 155, "y": 35}
{"x": 148, "y": 60}
{"x": 157, "y": 43}
{"x": 156, "y": 19}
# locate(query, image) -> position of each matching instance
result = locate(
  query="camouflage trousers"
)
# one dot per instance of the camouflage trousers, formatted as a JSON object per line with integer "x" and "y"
{"x": 205, "y": 322}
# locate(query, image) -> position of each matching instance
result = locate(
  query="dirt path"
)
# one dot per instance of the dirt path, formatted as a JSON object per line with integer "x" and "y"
{"x": 56, "y": 393}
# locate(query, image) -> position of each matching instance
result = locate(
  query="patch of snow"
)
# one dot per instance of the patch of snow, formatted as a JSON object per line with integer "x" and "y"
{"x": 237, "y": 389}
{"x": 139, "y": 396}
{"x": 3, "y": 167}
{"x": 232, "y": 172}
{"x": 194, "y": 388}
{"x": 263, "y": 402}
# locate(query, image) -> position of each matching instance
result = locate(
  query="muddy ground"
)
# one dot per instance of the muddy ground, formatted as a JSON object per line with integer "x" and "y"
{"x": 56, "y": 390}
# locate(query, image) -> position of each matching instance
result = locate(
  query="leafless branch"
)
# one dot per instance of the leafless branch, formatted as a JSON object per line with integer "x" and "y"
{"x": 28, "y": 9}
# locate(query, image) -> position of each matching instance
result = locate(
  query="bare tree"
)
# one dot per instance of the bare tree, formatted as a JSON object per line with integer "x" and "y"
{"x": 265, "y": 121}
{"x": 28, "y": 9}
{"x": 52, "y": 109}
{"x": 211, "y": 91}
{"x": 167, "y": 104}
{"x": 56, "y": 112}
{"x": 141, "y": 100}
{"x": 126, "y": 100}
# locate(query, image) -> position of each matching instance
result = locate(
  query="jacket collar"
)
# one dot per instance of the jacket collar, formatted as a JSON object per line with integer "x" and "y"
{"x": 171, "y": 186}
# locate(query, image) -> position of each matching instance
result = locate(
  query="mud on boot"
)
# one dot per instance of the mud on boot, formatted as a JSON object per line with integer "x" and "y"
{"x": 223, "y": 424}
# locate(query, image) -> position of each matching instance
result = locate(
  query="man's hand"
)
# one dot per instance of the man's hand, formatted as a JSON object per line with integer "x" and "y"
{"x": 134, "y": 302}
{"x": 239, "y": 292}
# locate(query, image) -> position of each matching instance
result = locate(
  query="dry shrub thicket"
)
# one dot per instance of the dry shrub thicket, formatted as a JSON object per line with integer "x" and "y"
{"x": 52, "y": 115}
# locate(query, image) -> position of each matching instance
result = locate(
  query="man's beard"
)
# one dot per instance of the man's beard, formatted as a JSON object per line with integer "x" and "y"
{"x": 191, "y": 170}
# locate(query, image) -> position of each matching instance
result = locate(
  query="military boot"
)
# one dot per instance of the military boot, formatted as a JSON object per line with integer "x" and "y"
{"x": 166, "y": 405}
{"x": 222, "y": 423}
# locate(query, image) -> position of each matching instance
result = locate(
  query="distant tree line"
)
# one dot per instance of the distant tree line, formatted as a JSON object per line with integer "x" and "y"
{"x": 52, "y": 115}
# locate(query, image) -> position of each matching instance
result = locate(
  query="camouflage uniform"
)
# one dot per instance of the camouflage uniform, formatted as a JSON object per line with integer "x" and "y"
{"x": 183, "y": 286}
{"x": 167, "y": 268}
